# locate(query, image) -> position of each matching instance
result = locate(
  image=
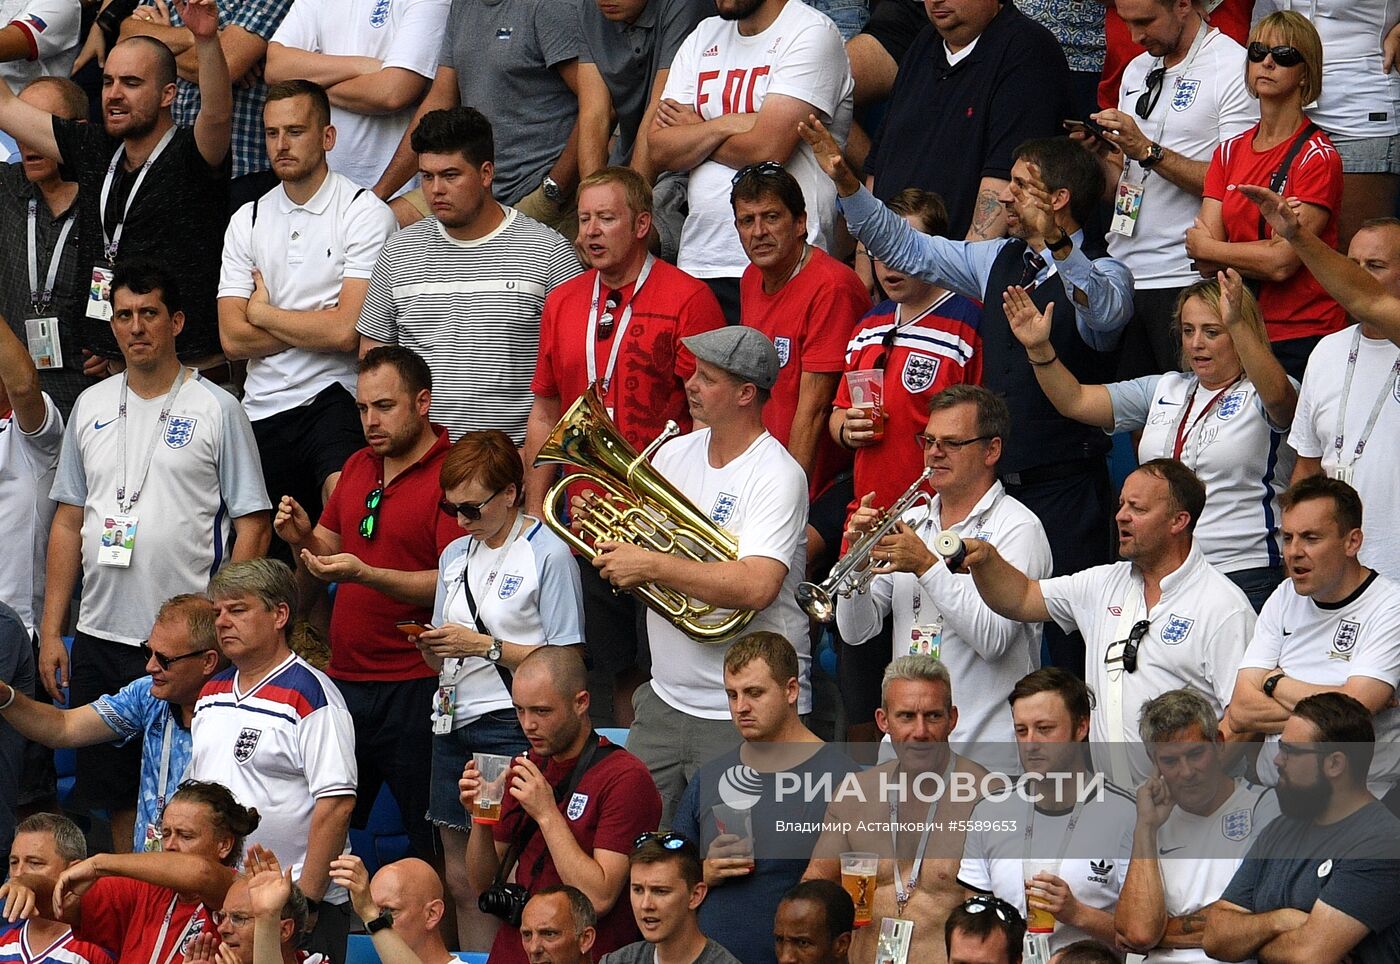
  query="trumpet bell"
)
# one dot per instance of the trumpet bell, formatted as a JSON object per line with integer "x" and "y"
{"x": 816, "y": 602}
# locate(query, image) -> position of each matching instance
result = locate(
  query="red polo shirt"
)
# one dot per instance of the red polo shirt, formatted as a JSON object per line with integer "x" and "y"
{"x": 411, "y": 533}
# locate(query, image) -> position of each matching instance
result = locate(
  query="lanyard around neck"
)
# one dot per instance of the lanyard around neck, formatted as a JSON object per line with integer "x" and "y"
{"x": 123, "y": 503}
{"x": 1346, "y": 395}
{"x": 112, "y": 241}
{"x": 591, "y": 336}
{"x": 40, "y": 298}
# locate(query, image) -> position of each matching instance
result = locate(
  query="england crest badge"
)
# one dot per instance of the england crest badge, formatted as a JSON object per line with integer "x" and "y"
{"x": 784, "y": 349}
{"x": 1177, "y": 629}
{"x": 179, "y": 429}
{"x": 1230, "y": 406}
{"x": 920, "y": 371}
{"x": 245, "y": 744}
{"x": 576, "y": 805}
{"x": 509, "y": 585}
{"x": 1236, "y": 824}
{"x": 724, "y": 507}
{"x": 1185, "y": 94}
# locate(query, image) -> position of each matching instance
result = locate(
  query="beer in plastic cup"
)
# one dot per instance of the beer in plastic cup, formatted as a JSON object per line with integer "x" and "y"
{"x": 1038, "y": 920}
{"x": 495, "y": 770}
{"x": 858, "y": 878}
{"x": 867, "y": 389}
{"x": 738, "y": 823}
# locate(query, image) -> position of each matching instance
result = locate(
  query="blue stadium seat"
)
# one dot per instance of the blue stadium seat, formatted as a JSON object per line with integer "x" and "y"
{"x": 359, "y": 949}
{"x": 471, "y": 957}
{"x": 615, "y": 734}
{"x": 384, "y": 839}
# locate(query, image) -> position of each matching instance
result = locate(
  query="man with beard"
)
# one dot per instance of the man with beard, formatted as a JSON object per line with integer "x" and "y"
{"x": 147, "y": 187}
{"x": 1333, "y": 626}
{"x": 1320, "y": 883}
{"x": 386, "y": 573}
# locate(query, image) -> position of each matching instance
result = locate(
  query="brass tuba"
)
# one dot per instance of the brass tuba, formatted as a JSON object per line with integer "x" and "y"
{"x": 632, "y": 503}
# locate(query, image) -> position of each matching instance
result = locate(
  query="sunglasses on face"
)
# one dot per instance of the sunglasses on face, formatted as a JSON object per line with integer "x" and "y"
{"x": 371, "y": 520}
{"x": 471, "y": 511}
{"x": 1284, "y": 55}
{"x": 165, "y": 662}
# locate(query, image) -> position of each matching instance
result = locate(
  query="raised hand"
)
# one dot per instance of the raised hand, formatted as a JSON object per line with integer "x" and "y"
{"x": 1034, "y": 206}
{"x": 1154, "y": 802}
{"x": 1231, "y": 296}
{"x": 201, "y": 17}
{"x": 269, "y": 887}
{"x": 828, "y": 155}
{"x": 291, "y": 522}
{"x": 349, "y": 872}
{"x": 1028, "y": 323}
{"x": 1278, "y": 213}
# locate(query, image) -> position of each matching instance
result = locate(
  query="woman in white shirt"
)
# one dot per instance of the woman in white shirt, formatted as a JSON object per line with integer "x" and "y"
{"x": 505, "y": 587}
{"x": 1226, "y": 418}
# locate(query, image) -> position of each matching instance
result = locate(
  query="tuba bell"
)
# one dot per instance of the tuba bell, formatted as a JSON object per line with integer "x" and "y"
{"x": 632, "y": 503}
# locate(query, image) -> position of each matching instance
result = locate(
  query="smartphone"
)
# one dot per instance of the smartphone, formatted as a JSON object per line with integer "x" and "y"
{"x": 413, "y": 628}
{"x": 1086, "y": 126}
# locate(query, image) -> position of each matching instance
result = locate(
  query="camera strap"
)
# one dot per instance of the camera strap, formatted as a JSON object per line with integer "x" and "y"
{"x": 592, "y": 753}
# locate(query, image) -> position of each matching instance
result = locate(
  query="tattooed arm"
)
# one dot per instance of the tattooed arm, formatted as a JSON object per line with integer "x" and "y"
{"x": 988, "y": 215}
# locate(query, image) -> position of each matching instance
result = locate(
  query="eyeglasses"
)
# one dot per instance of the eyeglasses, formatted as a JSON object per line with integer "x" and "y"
{"x": 471, "y": 511}
{"x": 1129, "y": 659}
{"x": 239, "y": 920}
{"x": 605, "y": 323}
{"x": 165, "y": 662}
{"x": 1290, "y": 750}
{"x": 1004, "y": 911}
{"x": 1283, "y": 54}
{"x": 762, "y": 169}
{"x": 1147, "y": 100}
{"x": 371, "y": 519}
{"x": 927, "y": 442}
{"x": 667, "y": 841}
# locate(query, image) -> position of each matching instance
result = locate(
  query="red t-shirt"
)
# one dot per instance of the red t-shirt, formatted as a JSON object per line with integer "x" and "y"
{"x": 648, "y": 383}
{"x": 810, "y": 321}
{"x": 127, "y": 916}
{"x": 1230, "y": 18}
{"x": 1298, "y": 307}
{"x": 614, "y": 804}
{"x": 17, "y": 944}
{"x": 940, "y": 349}
{"x": 411, "y": 533}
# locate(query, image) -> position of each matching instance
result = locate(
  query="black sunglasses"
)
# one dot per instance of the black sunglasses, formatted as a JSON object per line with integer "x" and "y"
{"x": 471, "y": 511}
{"x": 762, "y": 169}
{"x": 1283, "y": 54}
{"x": 1004, "y": 911}
{"x": 371, "y": 520}
{"x": 667, "y": 841}
{"x": 165, "y": 662}
{"x": 1147, "y": 100}
{"x": 1131, "y": 644}
{"x": 606, "y": 322}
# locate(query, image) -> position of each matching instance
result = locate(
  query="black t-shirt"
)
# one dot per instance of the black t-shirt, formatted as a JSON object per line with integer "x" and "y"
{"x": 895, "y": 24}
{"x": 948, "y": 127}
{"x": 1352, "y": 866}
{"x": 178, "y": 219}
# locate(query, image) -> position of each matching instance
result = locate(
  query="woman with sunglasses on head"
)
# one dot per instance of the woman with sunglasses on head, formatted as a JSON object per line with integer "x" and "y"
{"x": 1226, "y": 417}
{"x": 1287, "y": 152}
{"x": 506, "y": 587}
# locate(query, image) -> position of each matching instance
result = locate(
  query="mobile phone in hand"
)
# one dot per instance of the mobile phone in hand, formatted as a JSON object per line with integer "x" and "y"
{"x": 411, "y": 628}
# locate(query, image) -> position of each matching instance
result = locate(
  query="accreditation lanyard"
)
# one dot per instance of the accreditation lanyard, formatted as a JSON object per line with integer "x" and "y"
{"x": 110, "y": 242}
{"x": 917, "y": 593}
{"x": 453, "y": 675}
{"x": 1183, "y": 428}
{"x": 1346, "y": 394}
{"x": 903, "y": 890}
{"x": 1069, "y": 830}
{"x": 165, "y": 930}
{"x": 1185, "y": 67}
{"x": 164, "y": 762}
{"x": 40, "y": 298}
{"x": 123, "y": 503}
{"x": 591, "y": 344}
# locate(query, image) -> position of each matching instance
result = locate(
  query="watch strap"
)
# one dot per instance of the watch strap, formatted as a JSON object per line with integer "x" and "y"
{"x": 1065, "y": 242}
{"x": 1153, "y": 158}
{"x": 1271, "y": 684}
{"x": 385, "y": 919}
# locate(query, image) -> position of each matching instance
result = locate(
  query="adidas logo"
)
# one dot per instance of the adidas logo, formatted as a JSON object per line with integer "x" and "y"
{"x": 1099, "y": 870}
{"x": 711, "y": 51}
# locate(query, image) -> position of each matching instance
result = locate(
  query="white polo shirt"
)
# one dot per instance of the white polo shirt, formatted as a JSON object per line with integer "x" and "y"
{"x": 1328, "y": 643}
{"x": 760, "y": 498}
{"x": 1376, "y": 472}
{"x": 1199, "y": 630}
{"x": 1201, "y": 104}
{"x": 985, "y": 653}
{"x": 305, "y": 252}
{"x": 1095, "y": 860}
{"x": 27, "y": 464}
{"x": 1238, "y": 454}
{"x": 1208, "y": 850}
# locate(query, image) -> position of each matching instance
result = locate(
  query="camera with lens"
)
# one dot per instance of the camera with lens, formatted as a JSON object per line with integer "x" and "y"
{"x": 506, "y": 901}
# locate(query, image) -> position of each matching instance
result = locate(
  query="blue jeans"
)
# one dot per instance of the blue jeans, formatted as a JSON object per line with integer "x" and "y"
{"x": 848, "y": 15}
{"x": 496, "y": 732}
{"x": 1258, "y": 584}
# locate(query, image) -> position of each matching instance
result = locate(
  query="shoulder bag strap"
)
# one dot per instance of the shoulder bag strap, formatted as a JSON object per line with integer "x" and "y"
{"x": 1280, "y": 177}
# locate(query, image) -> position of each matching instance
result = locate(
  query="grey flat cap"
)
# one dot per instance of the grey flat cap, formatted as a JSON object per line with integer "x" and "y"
{"x": 740, "y": 350}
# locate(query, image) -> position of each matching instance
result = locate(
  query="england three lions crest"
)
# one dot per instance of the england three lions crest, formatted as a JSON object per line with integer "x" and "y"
{"x": 1236, "y": 824}
{"x": 509, "y": 585}
{"x": 179, "y": 429}
{"x": 1177, "y": 629}
{"x": 783, "y": 346}
{"x": 1185, "y": 94}
{"x": 920, "y": 371}
{"x": 1344, "y": 641}
{"x": 723, "y": 509}
{"x": 1230, "y": 405}
{"x": 245, "y": 744}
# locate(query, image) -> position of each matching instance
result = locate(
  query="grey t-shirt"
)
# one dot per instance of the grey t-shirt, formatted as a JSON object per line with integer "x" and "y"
{"x": 1351, "y": 865}
{"x": 643, "y": 953}
{"x": 629, "y": 55}
{"x": 506, "y": 54}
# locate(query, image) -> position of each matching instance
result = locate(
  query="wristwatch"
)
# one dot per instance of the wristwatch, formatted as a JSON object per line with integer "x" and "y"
{"x": 552, "y": 190}
{"x": 1064, "y": 243}
{"x": 385, "y": 919}
{"x": 494, "y": 652}
{"x": 1153, "y": 158}
{"x": 1271, "y": 684}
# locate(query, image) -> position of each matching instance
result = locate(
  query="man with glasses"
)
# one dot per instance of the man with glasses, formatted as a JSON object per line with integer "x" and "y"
{"x": 1320, "y": 882}
{"x": 1181, "y": 97}
{"x": 936, "y": 610}
{"x": 181, "y": 656}
{"x": 984, "y": 930}
{"x": 379, "y": 539}
{"x": 1052, "y": 464}
{"x": 1162, "y": 618}
{"x": 1334, "y": 625}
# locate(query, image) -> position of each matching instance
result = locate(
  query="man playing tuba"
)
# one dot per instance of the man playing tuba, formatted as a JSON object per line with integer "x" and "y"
{"x": 748, "y": 485}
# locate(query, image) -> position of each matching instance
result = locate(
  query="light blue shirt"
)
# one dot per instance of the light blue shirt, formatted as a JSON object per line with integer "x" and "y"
{"x": 965, "y": 266}
{"x": 132, "y": 711}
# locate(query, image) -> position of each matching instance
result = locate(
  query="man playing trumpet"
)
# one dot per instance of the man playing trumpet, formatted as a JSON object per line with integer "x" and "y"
{"x": 937, "y": 611}
{"x": 748, "y": 485}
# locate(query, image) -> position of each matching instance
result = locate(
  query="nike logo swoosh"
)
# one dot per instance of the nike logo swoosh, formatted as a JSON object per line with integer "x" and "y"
{"x": 1129, "y": 93}
{"x": 99, "y": 426}
{"x": 1288, "y": 632}
{"x": 1163, "y": 401}
{"x": 1170, "y": 850}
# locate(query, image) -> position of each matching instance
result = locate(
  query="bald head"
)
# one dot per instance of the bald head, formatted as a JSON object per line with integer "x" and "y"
{"x": 411, "y": 890}
{"x": 562, "y": 665}
{"x": 410, "y": 878}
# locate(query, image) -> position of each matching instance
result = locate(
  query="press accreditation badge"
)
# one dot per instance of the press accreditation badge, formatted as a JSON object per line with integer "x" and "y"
{"x": 927, "y": 640}
{"x": 44, "y": 347}
{"x": 1335, "y": 470}
{"x": 117, "y": 542}
{"x": 444, "y": 705}
{"x": 151, "y": 844}
{"x": 895, "y": 937}
{"x": 1127, "y": 205}
{"x": 99, "y": 305}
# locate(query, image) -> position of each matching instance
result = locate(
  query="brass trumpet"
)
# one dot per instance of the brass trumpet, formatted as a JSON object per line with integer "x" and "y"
{"x": 853, "y": 571}
{"x": 633, "y": 503}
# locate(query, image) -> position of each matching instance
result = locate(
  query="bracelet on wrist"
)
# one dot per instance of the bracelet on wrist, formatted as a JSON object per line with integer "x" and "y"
{"x": 13, "y": 693}
{"x": 1041, "y": 364}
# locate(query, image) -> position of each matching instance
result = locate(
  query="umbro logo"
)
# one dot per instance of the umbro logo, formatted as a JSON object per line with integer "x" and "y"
{"x": 1116, "y": 610}
{"x": 711, "y": 51}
